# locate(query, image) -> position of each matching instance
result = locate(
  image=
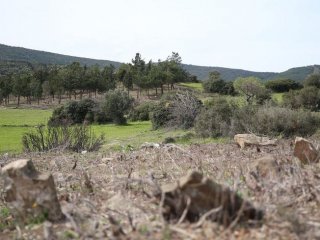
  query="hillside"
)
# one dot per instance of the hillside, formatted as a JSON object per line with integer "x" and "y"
{"x": 8, "y": 53}
{"x": 17, "y": 58}
{"x": 227, "y": 74}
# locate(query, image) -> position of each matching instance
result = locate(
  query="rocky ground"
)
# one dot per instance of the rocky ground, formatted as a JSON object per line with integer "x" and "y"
{"x": 111, "y": 195}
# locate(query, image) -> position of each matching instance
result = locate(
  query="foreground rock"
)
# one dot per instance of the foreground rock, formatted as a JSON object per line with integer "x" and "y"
{"x": 198, "y": 195}
{"x": 30, "y": 195}
{"x": 305, "y": 151}
{"x": 244, "y": 140}
{"x": 265, "y": 167}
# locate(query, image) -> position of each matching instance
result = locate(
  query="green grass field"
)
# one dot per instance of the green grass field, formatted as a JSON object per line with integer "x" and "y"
{"x": 195, "y": 86}
{"x": 15, "y": 122}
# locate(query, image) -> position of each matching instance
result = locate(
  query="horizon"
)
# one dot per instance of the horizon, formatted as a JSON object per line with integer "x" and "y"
{"x": 264, "y": 36}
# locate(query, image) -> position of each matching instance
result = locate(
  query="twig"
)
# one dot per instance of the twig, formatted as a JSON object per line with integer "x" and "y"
{"x": 185, "y": 211}
{"x": 207, "y": 214}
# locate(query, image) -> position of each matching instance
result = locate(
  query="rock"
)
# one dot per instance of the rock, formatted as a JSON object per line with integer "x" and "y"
{"x": 266, "y": 166}
{"x": 204, "y": 195}
{"x": 29, "y": 193}
{"x": 106, "y": 160}
{"x": 305, "y": 151}
{"x": 148, "y": 145}
{"x": 244, "y": 140}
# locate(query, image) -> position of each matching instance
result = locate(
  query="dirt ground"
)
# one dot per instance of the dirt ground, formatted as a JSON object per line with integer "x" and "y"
{"x": 110, "y": 195}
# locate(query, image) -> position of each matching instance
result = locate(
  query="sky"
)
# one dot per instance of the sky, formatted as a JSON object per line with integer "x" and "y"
{"x": 258, "y": 35}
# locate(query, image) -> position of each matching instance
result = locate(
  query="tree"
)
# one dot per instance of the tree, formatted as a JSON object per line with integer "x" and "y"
{"x": 5, "y": 88}
{"x": 21, "y": 85}
{"x": 252, "y": 88}
{"x": 117, "y": 103}
{"x": 125, "y": 76}
{"x": 138, "y": 70}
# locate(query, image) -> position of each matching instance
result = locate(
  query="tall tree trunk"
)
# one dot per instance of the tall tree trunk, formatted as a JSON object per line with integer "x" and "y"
{"x": 18, "y": 100}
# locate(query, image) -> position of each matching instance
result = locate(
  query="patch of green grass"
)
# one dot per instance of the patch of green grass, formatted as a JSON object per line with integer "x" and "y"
{"x": 23, "y": 117}
{"x": 195, "y": 86}
{"x": 277, "y": 97}
{"x": 15, "y": 122}
{"x": 10, "y": 138}
{"x": 120, "y": 138}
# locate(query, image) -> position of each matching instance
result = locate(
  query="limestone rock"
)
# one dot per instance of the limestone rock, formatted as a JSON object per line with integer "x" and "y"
{"x": 29, "y": 193}
{"x": 199, "y": 195}
{"x": 244, "y": 140}
{"x": 305, "y": 151}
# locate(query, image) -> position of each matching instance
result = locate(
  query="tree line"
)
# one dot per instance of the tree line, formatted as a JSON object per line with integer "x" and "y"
{"x": 75, "y": 80}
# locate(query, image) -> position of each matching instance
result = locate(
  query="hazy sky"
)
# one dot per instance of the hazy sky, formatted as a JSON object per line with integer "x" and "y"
{"x": 261, "y": 35}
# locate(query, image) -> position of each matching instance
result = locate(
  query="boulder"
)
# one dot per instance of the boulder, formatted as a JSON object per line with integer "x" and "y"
{"x": 244, "y": 140}
{"x": 198, "y": 195}
{"x": 30, "y": 194}
{"x": 305, "y": 151}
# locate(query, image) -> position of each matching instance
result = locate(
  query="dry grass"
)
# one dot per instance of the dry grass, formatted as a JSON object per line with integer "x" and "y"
{"x": 109, "y": 195}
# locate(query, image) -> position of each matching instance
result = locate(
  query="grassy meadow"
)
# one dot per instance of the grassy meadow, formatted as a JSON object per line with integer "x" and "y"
{"x": 15, "y": 122}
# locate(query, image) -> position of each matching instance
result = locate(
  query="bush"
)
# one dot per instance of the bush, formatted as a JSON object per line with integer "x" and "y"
{"x": 74, "y": 138}
{"x": 160, "y": 116}
{"x": 223, "y": 119}
{"x": 183, "y": 110}
{"x": 117, "y": 103}
{"x": 179, "y": 110}
{"x": 141, "y": 112}
{"x": 75, "y": 113}
{"x": 215, "y": 119}
{"x": 312, "y": 80}
{"x": 283, "y": 85}
{"x": 274, "y": 121}
{"x": 308, "y": 98}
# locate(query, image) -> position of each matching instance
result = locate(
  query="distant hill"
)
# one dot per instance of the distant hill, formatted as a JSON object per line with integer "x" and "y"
{"x": 227, "y": 74}
{"x": 8, "y": 53}
{"x": 16, "y": 58}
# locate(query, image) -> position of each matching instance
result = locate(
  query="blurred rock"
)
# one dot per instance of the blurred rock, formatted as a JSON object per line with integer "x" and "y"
{"x": 244, "y": 140}
{"x": 148, "y": 145}
{"x": 266, "y": 166}
{"x": 305, "y": 151}
{"x": 29, "y": 193}
{"x": 198, "y": 195}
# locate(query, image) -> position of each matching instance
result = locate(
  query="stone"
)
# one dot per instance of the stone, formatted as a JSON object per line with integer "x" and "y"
{"x": 150, "y": 145}
{"x": 244, "y": 140}
{"x": 305, "y": 151}
{"x": 198, "y": 195}
{"x": 30, "y": 194}
{"x": 265, "y": 166}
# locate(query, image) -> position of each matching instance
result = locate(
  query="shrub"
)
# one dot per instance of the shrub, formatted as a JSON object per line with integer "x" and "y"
{"x": 74, "y": 138}
{"x": 215, "y": 119}
{"x": 183, "y": 110}
{"x": 179, "y": 110}
{"x": 283, "y": 85}
{"x": 308, "y": 98}
{"x": 312, "y": 80}
{"x": 221, "y": 119}
{"x": 117, "y": 103}
{"x": 141, "y": 112}
{"x": 160, "y": 116}
{"x": 274, "y": 121}
{"x": 75, "y": 113}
